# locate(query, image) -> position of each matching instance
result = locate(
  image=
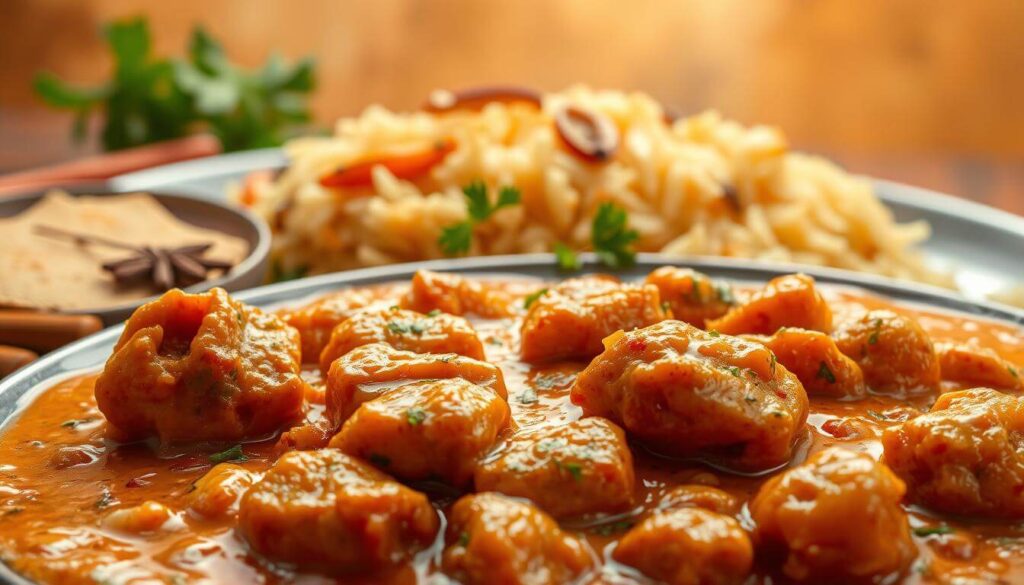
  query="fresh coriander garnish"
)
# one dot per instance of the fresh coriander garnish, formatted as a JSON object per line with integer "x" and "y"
{"x": 463, "y": 538}
{"x": 734, "y": 371}
{"x": 930, "y": 530}
{"x": 873, "y": 338}
{"x": 233, "y": 454}
{"x": 825, "y": 372}
{"x": 567, "y": 258}
{"x": 415, "y": 416}
{"x": 574, "y": 469}
{"x": 532, "y": 297}
{"x": 714, "y": 333}
{"x": 404, "y": 327}
{"x": 457, "y": 238}
{"x": 610, "y": 237}
{"x": 434, "y": 313}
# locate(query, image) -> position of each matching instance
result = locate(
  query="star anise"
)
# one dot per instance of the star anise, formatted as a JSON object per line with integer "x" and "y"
{"x": 164, "y": 267}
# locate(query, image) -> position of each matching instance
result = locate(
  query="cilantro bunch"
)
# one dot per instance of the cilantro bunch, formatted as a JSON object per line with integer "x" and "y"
{"x": 457, "y": 238}
{"x": 150, "y": 99}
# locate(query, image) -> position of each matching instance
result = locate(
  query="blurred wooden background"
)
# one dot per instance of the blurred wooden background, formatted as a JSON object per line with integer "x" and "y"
{"x": 924, "y": 91}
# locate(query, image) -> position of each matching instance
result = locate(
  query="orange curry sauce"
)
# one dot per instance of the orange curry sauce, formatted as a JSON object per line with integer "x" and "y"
{"x": 61, "y": 474}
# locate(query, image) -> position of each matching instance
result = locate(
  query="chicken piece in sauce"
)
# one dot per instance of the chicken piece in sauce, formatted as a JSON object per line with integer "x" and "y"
{"x": 202, "y": 367}
{"x": 976, "y": 366}
{"x": 786, "y": 301}
{"x": 570, "y": 320}
{"x": 496, "y": 540}
{"x": 373, "y": 370}
{"x": 216, "y": 494}
{"x": 893, "y": 351}
{"x": 689, "y": 392}
{"x": 401, "y": 329}
{"x": 457, "y": 295}
{"x": 333, "y": 513}
{"x": 581, "y": 467}
{"x": 316, "y": 320}
{"x": 816, "y": 361}
{"x": 835, "y": 518}
{"x": 700, "y": 496}
{"x": 692, "y": 296}
{"x": 426, "y": 430}
{"x": 688, "y": 546}
{"x": 966, "y": 456}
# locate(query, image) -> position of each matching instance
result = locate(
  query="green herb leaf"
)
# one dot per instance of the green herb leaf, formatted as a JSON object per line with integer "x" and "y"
{"x": 477, "y": 205}
{"x": 507, "y": 197}
{"x": 825, "y": 372}
{"x": 574, "y": 469}
{"x": 567, "y": 259}
{"x": 532, "y": 297}
{"x": 930, "y": 530}
{"x": 611, "y": 239}
{"x": 415, "y": 416}
{"x": 614, "y": 528}
{"x": 456, "y": 238}
{"x": 233, "y": 454}
{"x": 463, "y": 538}
{"x": 714, "y": 333}
{"x": 433, "y": 313}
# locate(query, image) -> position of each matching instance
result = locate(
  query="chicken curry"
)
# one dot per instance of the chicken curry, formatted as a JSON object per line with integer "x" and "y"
{"x": 677, "y": 430}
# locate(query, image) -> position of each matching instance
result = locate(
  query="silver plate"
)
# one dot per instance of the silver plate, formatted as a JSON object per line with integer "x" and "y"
{"x": 981, "y": 245}
{"x": 18, "y": 389}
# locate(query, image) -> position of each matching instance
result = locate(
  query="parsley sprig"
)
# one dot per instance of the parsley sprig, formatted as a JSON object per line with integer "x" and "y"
{"x": 610, "y": 237}
{"x": 457, "y": 238}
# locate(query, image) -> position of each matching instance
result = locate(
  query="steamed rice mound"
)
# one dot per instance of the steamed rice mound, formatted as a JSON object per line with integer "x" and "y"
{"x": 696, "y": 186}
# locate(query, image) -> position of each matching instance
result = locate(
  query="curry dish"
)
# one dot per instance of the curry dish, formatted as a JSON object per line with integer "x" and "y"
{"x": 679, "y": 430}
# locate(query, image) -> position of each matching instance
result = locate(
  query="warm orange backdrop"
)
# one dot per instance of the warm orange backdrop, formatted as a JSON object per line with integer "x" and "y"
{"x": 927, "y": 91}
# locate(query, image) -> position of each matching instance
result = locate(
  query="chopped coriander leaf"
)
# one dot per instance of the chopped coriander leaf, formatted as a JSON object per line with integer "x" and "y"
{"x": 233, "y": 454}
{"x": 574, "y": 469}
{"x": 734, "y": 371}
{"x": 403, "y": 327}
{"x": 825, "y": 372}
{"x": 567, "y": 258}
{"x": 532, "y": 297}
{"x": 415, "y": 416}
{"x": 930, "y": 530}
{"x": 379, "y": 460}
{"x": 873, "y": 338}
{"x": 714, "y": 333}
{"x": 610, "y": 237}
{"x": 434, "y": 313}
{"x": 456, "y": 238}
{"x": 463, "y": 538}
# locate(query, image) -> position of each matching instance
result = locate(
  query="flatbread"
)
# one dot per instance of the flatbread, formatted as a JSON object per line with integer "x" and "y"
{"x": 40, "y": 272}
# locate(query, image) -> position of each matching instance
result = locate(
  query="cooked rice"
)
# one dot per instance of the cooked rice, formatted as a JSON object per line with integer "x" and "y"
{"x": 671, "y": 178}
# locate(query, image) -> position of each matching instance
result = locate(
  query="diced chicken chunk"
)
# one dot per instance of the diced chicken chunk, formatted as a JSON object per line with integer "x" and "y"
{"x": 457, "y": 295}
{"x": 406, "y": 330}
{"x": 581, "y": 467}
{"x": 333, "y": 513}
{"x": 216, "y": 494}
{"x": 966, "y": 456}
{"x": 376, "y": 369}
{"x": 692, "y": 296}
{"x": 316, "y": 320}
{"x": 976, "y": 366}
{"x": 817, "y": 362}
{"x": 836, "y": 517}
{"x": 688, "y": 546}
{"x": 892, "y": 350}
{"x": 424, "y": 430}
{"x": 700, "y": 496}
{"x": 686, "y": 392}
{"x": 495, "y": 540}
{"x": 571, "y": 319}
{"x": 202, "y": 367}
{"x": 786, "y": 301}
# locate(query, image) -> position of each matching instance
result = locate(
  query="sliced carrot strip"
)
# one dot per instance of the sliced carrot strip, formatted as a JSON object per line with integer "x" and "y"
{"x": 407, "y": 166}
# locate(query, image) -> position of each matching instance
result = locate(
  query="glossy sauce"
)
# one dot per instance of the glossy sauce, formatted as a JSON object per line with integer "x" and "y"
{"x": 61, "y": 475}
